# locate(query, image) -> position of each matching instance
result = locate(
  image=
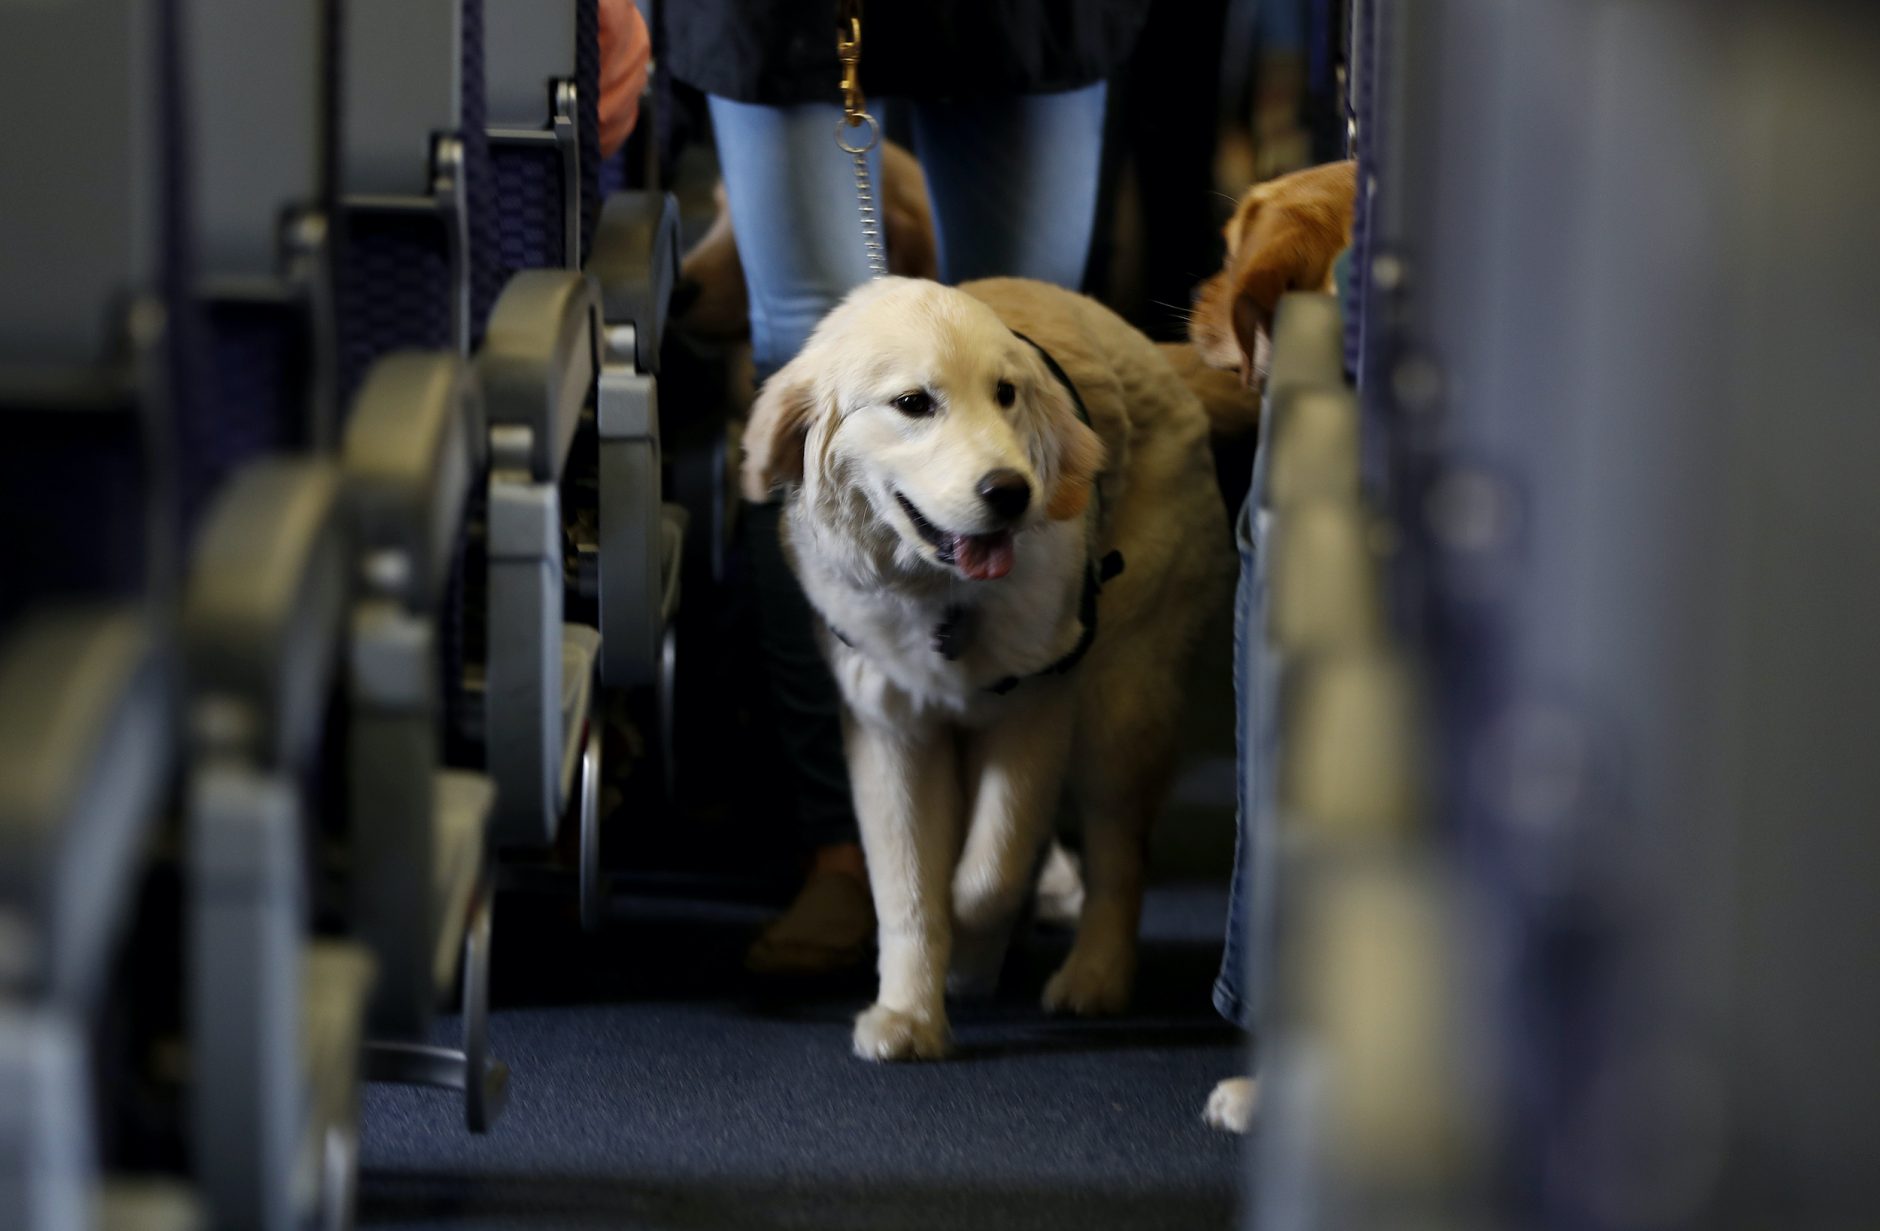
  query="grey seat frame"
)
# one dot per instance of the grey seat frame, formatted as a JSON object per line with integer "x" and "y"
{"x": 87, "y": 684}
{"x": 85, "y": 757}
{"x": 263, "y": 616}
{"x": 634, "y": 266}
{"x": 538, "y": 367}
{"x": 413, "y": 447}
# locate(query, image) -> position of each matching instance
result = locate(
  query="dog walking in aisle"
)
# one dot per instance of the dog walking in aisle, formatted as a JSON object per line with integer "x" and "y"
{"x": 1000, "y": 500}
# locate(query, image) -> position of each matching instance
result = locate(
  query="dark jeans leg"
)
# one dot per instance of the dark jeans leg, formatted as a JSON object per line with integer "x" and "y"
{"x": 803, "y": 693}
{"x": 1233, "y": 988}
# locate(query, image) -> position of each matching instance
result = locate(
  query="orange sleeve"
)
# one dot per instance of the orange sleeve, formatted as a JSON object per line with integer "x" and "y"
{"x": 626, "y": 54}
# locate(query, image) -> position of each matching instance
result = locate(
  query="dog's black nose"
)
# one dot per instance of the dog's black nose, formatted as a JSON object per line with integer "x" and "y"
{"x": 1005, "y": 492}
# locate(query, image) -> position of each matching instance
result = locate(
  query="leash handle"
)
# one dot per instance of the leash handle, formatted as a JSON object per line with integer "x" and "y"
{"x": 855, "y": 115}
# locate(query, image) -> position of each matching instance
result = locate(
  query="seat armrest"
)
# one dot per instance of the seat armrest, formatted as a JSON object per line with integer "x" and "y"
{"x": 1308, "y": 342}
{"x": 263, "y": 609}
{"x": 461, "y": 823}
{"x": 539, "y": 363}
{"x": 413, "y": 446}
{"x": 85, "y": 750}
{"x": 1313, "y": 444}
{"x": 635, "y": 262}
{"x": 143, "y": 1203}
{"x": 336, "y": 984}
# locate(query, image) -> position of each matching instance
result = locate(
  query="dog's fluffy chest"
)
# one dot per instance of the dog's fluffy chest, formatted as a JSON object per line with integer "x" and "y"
{"x": 934, "y": 649}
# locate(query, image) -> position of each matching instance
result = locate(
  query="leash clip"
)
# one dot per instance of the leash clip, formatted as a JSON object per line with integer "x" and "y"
{"x": 855, "y": 115}
{"x": 849, "y": 51}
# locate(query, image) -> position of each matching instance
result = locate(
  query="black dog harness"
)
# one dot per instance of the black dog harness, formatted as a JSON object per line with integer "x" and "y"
{"x": 952, "y": 633}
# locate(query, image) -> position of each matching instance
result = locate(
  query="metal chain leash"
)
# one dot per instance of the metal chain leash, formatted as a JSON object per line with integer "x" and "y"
{"x": 855, "y": 115}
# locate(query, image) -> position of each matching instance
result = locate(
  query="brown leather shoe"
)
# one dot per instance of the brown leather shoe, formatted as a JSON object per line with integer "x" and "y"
{"x": 829, "y": 927}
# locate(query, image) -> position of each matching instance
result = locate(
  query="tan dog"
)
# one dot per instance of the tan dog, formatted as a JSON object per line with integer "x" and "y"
{"x": 1284, "y": 236}
{"x": 1233, "y": 408}
{"x": 955, "y": 518}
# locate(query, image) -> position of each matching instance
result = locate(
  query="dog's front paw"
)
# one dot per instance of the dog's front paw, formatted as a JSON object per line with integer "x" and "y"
{"x": 1231, "y": 1105}
{"x": 882, "y": 1033}
{"x": 1091, "y": 983}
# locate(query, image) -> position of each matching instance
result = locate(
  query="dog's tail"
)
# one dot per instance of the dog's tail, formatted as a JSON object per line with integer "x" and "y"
{"x": 1233, "y": 409}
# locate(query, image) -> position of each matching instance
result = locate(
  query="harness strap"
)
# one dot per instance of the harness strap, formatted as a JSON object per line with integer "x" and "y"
{"x": 1095, "y": 574}
{"x": 1050, "y": 361}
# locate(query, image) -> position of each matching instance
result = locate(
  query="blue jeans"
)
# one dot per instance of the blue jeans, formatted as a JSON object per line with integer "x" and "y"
{"x": 1013, "y": 183}
{"x": 1014, "y": 189}
{"x": 1240, "y": 987}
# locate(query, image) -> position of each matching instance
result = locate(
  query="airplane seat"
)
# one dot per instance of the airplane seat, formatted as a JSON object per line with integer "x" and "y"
{"x": 282, "y": 978}
{"x": 93, "y": 322}
{"x": 413, "y": 454}
{"x": 619, "y": 547}
{"x": 631, "y": 250}
{"x": 143, "y": 673}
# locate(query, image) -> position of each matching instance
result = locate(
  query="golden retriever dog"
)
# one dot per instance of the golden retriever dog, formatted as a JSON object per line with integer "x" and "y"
{"x": 1000, "y": 501}
{"x": 1285, "y": 235}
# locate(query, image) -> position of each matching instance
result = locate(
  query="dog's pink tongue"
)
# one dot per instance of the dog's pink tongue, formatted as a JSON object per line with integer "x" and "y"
{"x": 983, "y": 557}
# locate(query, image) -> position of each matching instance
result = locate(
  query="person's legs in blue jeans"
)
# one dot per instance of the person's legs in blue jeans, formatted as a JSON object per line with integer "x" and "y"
{"x": 1014, "y": 183}
{"x": 792, "y": 196}
{"x": 1233, "y": 989}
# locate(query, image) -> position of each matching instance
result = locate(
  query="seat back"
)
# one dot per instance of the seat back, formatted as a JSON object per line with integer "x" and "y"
{"x": 417, "y": 266}
{"x": 97, "y": 345}
{"x": 413, "y": 448}
{"x": 92, "y": 379}
{"x": 83, "y": 230}
{"x": 264, "y": 112}
{"x": 97, "y": 372}
{"x": 534, "y": 114}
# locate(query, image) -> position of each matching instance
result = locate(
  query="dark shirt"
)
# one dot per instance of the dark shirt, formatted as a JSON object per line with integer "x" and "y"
{"x": 783, "y": 51}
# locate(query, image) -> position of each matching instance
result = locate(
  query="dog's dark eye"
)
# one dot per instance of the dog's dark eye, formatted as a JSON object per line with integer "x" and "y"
{"x": 1007, "y": 394}
{"x": 916, "y": 404}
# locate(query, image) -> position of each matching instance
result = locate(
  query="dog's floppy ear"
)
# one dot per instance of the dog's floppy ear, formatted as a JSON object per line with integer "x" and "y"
{"x": 1286, "y": 237}
{"x": 1079, "y": 448}
{"x": 1295, "y": 257}
{"x": 1252, "y": 315}
{"x": 775, "y": 436}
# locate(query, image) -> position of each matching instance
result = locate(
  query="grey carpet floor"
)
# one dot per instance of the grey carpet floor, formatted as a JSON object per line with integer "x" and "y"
{"x": 658, "y": 1086}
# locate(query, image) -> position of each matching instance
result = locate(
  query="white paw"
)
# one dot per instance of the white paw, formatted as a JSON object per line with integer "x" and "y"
{"x": 1091, "y": 983}
{"x": 882, "y": 1033}
{"x": 1232, "y": 1104}
{"x": 1060, "y": 888}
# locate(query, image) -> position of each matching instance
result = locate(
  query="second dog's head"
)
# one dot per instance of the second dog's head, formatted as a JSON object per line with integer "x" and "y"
{"x": 1284, "y": 236}
{"x": 916, "y": 423}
